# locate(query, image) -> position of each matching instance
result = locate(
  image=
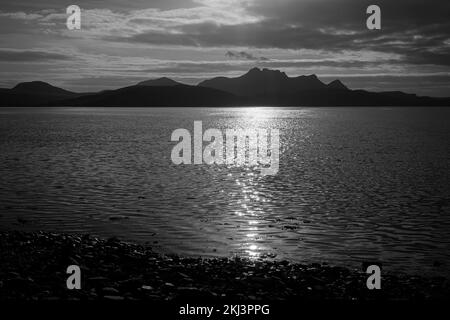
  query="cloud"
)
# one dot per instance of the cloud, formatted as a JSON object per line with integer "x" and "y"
{"x": 418, "y": 31}
{"x": 117, "y": 5}
{"x": 295, "y": 66}
{"x": 189, "y": 38}
{"x": 20, "y": 15}
{"x": 11, "y": 55}
{"x": 427, "y": 45}
{"x": 244, "y": 55}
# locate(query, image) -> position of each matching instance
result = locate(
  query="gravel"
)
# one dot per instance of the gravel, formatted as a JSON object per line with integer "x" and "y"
{"x": 33, "y": 267}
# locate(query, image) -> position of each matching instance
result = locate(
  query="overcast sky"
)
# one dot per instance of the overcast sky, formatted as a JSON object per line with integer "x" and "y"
{"x": 123, "y": 42}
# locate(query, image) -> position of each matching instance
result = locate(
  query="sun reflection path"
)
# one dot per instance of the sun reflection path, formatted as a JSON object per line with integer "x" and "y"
{"x": 249, "y": 214}
{"x": 258, "y": 113}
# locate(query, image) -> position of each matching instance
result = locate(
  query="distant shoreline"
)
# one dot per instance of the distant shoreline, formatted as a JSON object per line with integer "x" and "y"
{"x": 34, "y": 268}
{"x": 257, "y": 87}
{"x": 227, "y": 107}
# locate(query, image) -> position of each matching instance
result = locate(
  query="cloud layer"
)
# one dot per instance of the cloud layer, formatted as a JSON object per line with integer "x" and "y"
{"x": 191, "y": 40}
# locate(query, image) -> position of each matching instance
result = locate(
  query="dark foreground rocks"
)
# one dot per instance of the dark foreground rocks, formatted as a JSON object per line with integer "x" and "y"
{"x": 33, "y": 267}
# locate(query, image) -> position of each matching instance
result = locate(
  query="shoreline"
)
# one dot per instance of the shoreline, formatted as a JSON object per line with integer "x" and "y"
{"x": 34, "y": 268}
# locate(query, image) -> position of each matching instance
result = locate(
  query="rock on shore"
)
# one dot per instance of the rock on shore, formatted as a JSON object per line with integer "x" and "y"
{"x": 33, "y": 267}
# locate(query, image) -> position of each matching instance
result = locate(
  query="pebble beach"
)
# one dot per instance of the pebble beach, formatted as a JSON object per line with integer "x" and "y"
{"x": 34, "y": 268}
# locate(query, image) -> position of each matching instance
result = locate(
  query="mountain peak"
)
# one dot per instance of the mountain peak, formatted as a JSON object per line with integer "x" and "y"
{"x": 265, "y": 73}
{"x": 40, "y": 87}
{"x": 311, "y": 82}
{"x": 160, "y": 82}
{"x": 264, "y": 83}
{"x": 254, "y": 70}
{"x": 337, "y": 84}
{"x": 32, "y": 85}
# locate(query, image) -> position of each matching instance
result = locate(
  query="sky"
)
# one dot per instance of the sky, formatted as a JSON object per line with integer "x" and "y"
{"x": 123, "y": 42}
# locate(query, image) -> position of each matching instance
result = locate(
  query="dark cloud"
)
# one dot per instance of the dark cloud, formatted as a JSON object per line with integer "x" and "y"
{"x": 198, "y": 67}
{"x": 418, "y": 31}
{"x": 115, "y": 5}
{"x": 244, "y": 55}
{"x": 424, "y": 46}
{"x": 217, "y": 67}
{"x": 30, "y": 56}
{"x": 399, "y": 15}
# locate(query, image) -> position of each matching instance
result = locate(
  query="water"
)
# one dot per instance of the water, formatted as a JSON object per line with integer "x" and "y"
{"x": 354, "y": 184}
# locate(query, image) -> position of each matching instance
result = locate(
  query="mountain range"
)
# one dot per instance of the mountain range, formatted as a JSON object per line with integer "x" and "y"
{"x": 258, "y": 87}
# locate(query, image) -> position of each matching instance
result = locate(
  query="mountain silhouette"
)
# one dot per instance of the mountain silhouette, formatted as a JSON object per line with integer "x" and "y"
{"x": 33, "y": 93}
{"x": 40, "y": 87}
{"x": 264, "y": 83}
{"x": 161, "y": 82}
{"x": 336, "y": 85}
{"x": 275, "y": 88}
{"x": 156, "y": 96}
{"x": 257, "y": 87}
{"x": 256, "y": 82}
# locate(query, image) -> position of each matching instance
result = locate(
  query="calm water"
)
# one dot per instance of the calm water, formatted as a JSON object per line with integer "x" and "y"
{"x": 354, "y": 184}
